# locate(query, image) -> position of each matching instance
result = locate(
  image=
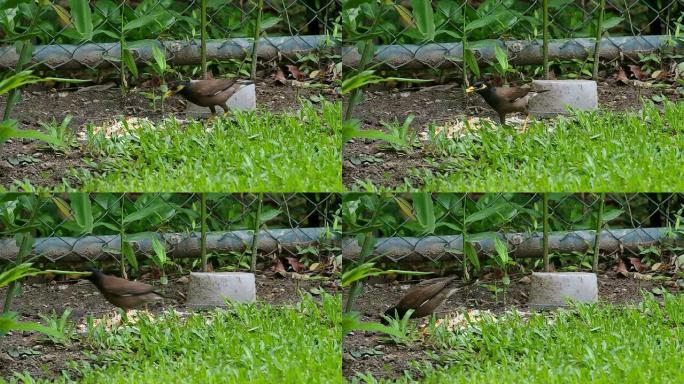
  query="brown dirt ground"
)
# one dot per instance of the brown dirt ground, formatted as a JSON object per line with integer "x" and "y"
{"x": 23, "y": 159}
{"x": 365, "y": 160}
{"x": 26, "y": 352}
{"x": 365, "y": 352}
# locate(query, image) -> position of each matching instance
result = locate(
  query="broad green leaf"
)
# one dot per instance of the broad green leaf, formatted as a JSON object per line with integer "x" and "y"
{"x": 424, "y": 17}
{"x": 82, "y": 18}
{"x": 82, "y": 210}
{"x": 425, "y": 212}
{"x": 471, "y": 61}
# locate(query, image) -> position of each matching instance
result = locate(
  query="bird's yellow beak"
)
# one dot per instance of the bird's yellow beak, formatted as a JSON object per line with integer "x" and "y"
{"x": 472, "y": 89}
{"x": 173, "y": 91}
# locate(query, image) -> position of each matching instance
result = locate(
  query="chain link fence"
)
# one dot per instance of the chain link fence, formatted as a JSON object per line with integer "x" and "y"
{"x": 80, "y": 227}
{"x": 420, "y": 228}
{"x": 82, "y": 34}
{"x": 434, "y": 36}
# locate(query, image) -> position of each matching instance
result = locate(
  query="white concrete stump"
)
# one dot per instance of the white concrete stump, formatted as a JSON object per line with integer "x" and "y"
{"x": 553, "y": 289}
{"x": 242, "y": 100}
{"x": 579, "y": 94}
{"x": 211, "y": 289}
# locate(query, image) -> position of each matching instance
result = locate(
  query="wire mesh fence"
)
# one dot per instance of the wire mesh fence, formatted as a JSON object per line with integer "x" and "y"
{"x": 447, "y": 34}
{"x": 90, "y": 34}
{"x": 82, "y": 227}
{"x": 445, "y": 227}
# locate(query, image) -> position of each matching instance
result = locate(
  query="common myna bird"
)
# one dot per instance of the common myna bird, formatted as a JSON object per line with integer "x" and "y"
{"x": 123, "y": 293}
{"x": 506, "y": 100}
{"x": 424, "y": 298}
{"x": 208, "y": 93}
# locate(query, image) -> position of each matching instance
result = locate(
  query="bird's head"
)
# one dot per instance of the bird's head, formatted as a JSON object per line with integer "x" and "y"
{"x": 477, "y": 87}
{"x": 176, "y": 87}
{"x": 95, "y": 275}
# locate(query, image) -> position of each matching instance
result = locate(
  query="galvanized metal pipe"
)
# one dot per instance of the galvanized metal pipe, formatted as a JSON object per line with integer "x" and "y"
{"x": 520, "y": 52}
{"x": 521, "y": 245}
{"x": 178, "y": 52}
{"x": 178, "y": 245}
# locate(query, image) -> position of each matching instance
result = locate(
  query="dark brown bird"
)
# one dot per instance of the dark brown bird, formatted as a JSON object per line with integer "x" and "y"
{"x": 424, "y": 298}
{"x": 208, "y": 93}
{"x": 123, "y": 293}
{"x": 506, "y": 100}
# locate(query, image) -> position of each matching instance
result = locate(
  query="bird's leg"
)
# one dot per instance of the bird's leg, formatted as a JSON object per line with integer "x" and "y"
{"x": 225, "y": 108}
{"x": 213, "y": 113}
{"x": 527, "y": 117}
{"x": 502, "y": 118}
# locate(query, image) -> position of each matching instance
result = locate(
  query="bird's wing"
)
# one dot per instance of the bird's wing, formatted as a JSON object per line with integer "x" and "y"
{"x": 412, "y": 299}
{"x": 513, "y": 93}
{"x": 122, "y": 287}
{"x": 214, "y": 87}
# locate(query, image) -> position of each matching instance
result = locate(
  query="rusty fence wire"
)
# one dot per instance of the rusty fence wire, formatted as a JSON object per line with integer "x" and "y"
{"x": 81, "y": 227}
{"x": 424, "y": 227}
{"x": 82, "y": 34}
{"x": 432, "y": 34}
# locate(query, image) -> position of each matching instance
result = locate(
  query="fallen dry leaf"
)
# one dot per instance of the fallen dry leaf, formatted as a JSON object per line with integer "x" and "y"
{"x": 279, "y": 76}
{"x": 636, "y": 263}
{"x": 621, "y": 269}
{"x": 296, "y": 73}
{"x": 296, "y": 265}
{"x": 621, "y": 76}
{"x": 637, "y": 72}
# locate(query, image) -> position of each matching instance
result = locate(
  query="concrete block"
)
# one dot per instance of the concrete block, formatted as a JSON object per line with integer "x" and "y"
{"x": 210, "y": 289}
{"x": 579, "y": 94}
{"x": 242, "y": 100}
{"x": 553, "y": 289}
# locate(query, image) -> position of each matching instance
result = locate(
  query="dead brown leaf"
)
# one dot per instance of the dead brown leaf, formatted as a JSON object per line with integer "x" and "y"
{"x": 621, "y": 76}
{"x": 279, "y": 268}
{"x": 279, "y": 76}
{"x": 637, "y": 72}
{"x": 621, "y": 269}
{"x": 296, "y": 73}
{"x": 637, "y": 264}
{"x": 296, "y": 265}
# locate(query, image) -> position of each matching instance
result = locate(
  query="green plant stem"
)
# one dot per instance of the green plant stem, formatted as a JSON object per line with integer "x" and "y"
{"x": 464, "y": 43}
{"x": 466, "y": 276}
{"x": 203, "y": 239}
{"x": 122, "y": 69}
{"x": 546, "y": 231}
{"x": 597, "y": 44}
{"x": 11, "y": 97}
{"x": 545, "y": 51}
{"x": 24, "y": 250}
{"x": 597, "y": 237}
{"x": 122, "y": 232}
{"x": 203, "y": 36}
{"x": 255, "y": 235}
{"x": 354, "y": 289}
{"x": 356, "y": 94}
{"x": 257, "y": 35}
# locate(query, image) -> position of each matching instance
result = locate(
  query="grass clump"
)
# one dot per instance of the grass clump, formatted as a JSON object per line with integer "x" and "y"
{"x": 248, "y": 152}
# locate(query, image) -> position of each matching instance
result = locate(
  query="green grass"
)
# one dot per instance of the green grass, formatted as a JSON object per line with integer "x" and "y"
{"x": 244, "y": 344}
{"x": 252, "y": 152}
{"x": 590, "y": 344}
{"x": 586, "y": 152}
